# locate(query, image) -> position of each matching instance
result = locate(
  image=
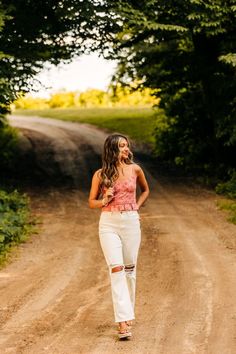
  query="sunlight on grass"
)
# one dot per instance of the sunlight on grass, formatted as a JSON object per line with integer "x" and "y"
{"x": 229, "y": 206}
{"x": 137, "y": 123}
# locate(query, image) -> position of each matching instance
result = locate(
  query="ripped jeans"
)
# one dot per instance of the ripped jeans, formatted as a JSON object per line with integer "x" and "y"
{"x": 120, "y": 237}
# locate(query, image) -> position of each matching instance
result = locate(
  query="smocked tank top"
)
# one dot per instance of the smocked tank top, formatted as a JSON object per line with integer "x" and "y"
{"x": 124, "y": 195}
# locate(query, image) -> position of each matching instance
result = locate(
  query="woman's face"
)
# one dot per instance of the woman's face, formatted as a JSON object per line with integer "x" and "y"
{"x": 123, "y": 149}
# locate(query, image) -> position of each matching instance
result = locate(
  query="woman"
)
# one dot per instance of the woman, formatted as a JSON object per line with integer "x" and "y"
{"x": 119, "y": 226}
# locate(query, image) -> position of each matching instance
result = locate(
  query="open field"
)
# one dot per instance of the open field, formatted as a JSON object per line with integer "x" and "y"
{"x": 137, "y": 123}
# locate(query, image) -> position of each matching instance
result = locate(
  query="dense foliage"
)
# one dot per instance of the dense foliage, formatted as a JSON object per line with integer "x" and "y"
{"x": 228, "y": 188}
{"x": 8, "y": 147}
{"x": 187, "y": 49}
{"x": 15, "y": 223}
{"x": 34, "y": 32}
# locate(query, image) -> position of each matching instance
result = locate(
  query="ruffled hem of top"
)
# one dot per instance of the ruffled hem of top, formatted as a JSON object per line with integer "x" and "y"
{"x": 121, "y": 207}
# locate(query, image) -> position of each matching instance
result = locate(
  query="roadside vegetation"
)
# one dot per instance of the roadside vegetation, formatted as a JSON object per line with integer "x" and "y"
{"x": 229, "y": 190}
{"x": 8, "y": 146}
{"x": 16, "y": 222}
{"x": 230, "y": 207}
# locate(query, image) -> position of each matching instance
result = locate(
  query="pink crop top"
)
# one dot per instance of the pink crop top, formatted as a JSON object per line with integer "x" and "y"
{"x": 124, "y": 195}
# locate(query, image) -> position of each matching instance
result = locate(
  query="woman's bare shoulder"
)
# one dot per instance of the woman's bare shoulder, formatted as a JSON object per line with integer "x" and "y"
{"x": 137, "y": 168}
{"x": 97, "y": 173}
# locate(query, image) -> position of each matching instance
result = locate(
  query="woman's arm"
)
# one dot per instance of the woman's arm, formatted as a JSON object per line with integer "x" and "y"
{"x": 95, "y": 191}
{"x": 142, "y": 182}
{"x": 94, "y": 202}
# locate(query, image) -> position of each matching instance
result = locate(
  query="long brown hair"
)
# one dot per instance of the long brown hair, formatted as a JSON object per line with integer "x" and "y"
{"x": 109, "y": 172}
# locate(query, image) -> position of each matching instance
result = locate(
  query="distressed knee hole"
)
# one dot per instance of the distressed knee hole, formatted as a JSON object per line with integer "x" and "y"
{"x": 116, "y": 269}
{"x": 129, "y": 268}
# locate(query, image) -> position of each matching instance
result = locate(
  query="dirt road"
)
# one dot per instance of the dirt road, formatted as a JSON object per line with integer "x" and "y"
{"x": 55, "y": 294}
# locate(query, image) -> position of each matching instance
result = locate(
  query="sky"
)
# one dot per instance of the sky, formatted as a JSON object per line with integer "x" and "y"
{"x": 88, "y": 71}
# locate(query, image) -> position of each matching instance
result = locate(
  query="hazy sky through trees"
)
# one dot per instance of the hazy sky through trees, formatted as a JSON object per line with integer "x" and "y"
{"x": 87, "y": 71}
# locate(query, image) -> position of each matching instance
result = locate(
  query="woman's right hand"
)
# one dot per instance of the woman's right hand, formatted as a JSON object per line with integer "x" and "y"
{"x": 109, "y": 194}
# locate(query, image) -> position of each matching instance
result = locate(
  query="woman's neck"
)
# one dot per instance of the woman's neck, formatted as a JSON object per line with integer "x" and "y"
{"x": 121, "y": 163}
{"x": 121, "y": 167}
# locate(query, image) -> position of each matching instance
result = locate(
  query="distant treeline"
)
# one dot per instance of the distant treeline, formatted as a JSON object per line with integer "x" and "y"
{"x": 115, "y": 96}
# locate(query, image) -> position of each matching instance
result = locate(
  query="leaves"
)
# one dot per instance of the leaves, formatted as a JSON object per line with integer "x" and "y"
{"x": 15, "y": 222}
{"x": 186, "y": 49}
{"x": 32, "y": 32}
{"x": 229, "y": 58}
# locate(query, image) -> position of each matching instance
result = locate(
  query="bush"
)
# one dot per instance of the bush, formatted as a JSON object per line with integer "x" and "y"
{"x": 15, "y": 221}
{"x": 230, "y": 207}
{"x": 228, "y": 188}
{"x": 8, "y": 146}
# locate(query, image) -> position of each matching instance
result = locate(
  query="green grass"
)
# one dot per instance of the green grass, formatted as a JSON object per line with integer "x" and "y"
{"x": 228, "y": 189}
{"x": 229, "y": 206}
{"x": 137, "y": 123}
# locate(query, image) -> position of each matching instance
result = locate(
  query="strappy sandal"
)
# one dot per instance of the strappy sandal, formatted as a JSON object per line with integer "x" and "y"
{"x": 129, "y": 324}
{"x": 124, "y": 333}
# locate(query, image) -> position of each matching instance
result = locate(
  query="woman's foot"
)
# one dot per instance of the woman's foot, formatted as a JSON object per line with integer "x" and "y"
{"x": 124, "y": 331}
{"x": 129, "y": 324}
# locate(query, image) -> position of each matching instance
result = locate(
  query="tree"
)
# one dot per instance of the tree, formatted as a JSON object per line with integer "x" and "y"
{"x": 184, "y": 47}
{"x": 34, "y": 32}
{"x": 187, "y": 49}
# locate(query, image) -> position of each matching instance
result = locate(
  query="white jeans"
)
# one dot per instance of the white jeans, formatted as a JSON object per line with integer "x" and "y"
{"x": 120, "y": 237}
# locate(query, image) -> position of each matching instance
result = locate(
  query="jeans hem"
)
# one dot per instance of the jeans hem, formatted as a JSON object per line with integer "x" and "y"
{"x": 123, "y": 320}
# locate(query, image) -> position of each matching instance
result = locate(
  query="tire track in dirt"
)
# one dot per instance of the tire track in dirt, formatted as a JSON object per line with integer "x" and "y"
{"x": 197, "y": 226}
